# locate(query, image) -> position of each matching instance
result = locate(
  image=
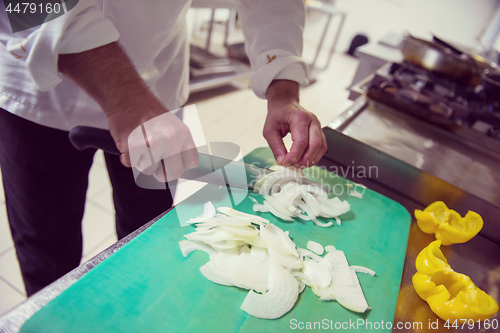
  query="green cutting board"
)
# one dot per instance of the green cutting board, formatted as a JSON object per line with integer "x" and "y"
{"x": 148, "y": 286}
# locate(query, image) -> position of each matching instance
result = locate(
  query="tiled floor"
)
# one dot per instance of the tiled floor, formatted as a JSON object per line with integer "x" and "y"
{"x": 232, "y": 115}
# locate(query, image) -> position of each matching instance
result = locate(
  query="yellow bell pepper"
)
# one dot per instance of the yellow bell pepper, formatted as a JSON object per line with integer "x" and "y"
{"x": 450, "y": 295}
{"x": 447, "y": 224}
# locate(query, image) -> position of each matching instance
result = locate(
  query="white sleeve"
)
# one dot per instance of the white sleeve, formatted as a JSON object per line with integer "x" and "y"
{"x": 80, "y": 29}
{"x": 273, "y": 31}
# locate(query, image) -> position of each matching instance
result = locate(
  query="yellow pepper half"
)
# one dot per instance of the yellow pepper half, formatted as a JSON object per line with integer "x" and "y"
{"x": 447, "y": 224}
{"x": 450, "y": 295}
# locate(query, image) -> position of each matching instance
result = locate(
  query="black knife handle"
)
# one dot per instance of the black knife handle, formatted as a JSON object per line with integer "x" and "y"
{"x": 83, "y": 137}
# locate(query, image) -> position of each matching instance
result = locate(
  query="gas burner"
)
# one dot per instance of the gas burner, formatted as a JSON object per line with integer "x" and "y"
{"x": 408, "y": 79}
{"x": 435, "y": 99}
{"x": 443, "y": 90}
{"x": 414, "y": 96}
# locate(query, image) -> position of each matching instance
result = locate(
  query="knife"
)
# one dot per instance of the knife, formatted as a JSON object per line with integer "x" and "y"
{"x": 234, "y": 172}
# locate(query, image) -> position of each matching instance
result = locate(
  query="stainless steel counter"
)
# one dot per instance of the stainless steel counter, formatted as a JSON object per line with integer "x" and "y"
{"x": 418, "y": 164}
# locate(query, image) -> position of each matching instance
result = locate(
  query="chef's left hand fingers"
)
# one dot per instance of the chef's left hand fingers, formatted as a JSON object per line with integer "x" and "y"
{"x": 308, "y": 141}
{"x": 316, "y": 146}
{"x": 274, "y": 139}
{"x": 299, "y": 129}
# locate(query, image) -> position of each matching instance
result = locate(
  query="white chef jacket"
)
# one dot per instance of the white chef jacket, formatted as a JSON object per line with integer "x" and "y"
{"x": 153, "y": 33}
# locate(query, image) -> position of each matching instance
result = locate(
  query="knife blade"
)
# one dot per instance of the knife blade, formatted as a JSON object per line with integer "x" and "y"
{"x": 209, "y": 169}
{"x": 233, "y": 172}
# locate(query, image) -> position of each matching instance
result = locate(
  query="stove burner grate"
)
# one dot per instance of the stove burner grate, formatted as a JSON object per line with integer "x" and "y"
{"x": 435, "y": 99}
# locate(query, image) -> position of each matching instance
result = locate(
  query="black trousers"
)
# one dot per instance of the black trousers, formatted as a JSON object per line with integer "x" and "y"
{"x": 45, "y": 181}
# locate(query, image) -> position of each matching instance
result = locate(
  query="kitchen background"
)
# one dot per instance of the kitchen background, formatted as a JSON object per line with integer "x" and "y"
{"x": 233, "y": 113}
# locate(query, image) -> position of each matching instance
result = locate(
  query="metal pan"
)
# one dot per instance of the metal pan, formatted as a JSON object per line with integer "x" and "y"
{"x": 437, "y": 59}
{"x": 481, "y": 66}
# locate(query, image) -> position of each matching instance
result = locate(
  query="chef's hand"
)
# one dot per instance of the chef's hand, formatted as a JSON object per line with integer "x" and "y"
{"x": 110, "y": 78}
{"x": 285, "y": 115}
{"x": 158, "y": 144}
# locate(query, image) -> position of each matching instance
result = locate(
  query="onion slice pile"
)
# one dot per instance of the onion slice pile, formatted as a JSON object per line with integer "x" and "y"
{"x": 249, "y": 252}
{"x": 286, "y": 197}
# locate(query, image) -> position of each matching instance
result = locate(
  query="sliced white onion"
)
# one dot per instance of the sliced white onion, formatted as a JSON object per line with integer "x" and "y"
{"x": 345, "y": 283}
{"x": 204, "y": 229}
{"x": 337, "y": 219}
{"x": 354, "y": 193}
{"x": 255, "y": 241}
{"x": 275, "y": 212}
{"x": 312, "y": 203}
{"x": 361, "y": 269}
{"x": 315, "y": 247}
{"x": 308, "y": 254}
{"x": 285, "y": 260}
{"x": 219, "y": 220}
{"x": 241, "y": 231}
{"x": 289, "y": 244}
{"x": 321, "y": 224}
{"x": 286, "y": 198}
{"x": 288, "y": 194}
{"x": 281, "y": 297}
{"x": 217, "y": 234}
{"x": 332, "y": 208}
{"x": 253, "y": 269}
{"x": 253, "y": 199}
{"x": 208, "y": 212}
{"x": 224, "y": 264}
{"x": 316, "y": 191}
{"x": 303, "y": 278}
{"x": 311, "y": 215}
{"x": 225, "y": 245}
{"x": 330, "y": 248}
{"x": 208, "y": 272}
{"x": 325, "y": 294}
{"x": 188, "y": 246}
{"x": 328, "y": 295}
{"x": 318, "y": 274}
{"x": 278, "y": 240}
{"x": 260, "y": 208}
{"x": 326, "y": 263}
{"x": 278, "y": 206}
{"x": 241, "y": 215}
{"x": 302, "y": 286}
{"x": 272, "y": 182}
{"x": 233, "y": 223}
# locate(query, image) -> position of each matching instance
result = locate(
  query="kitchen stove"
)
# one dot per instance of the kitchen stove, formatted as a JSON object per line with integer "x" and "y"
{"x": 460, "y": 109}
